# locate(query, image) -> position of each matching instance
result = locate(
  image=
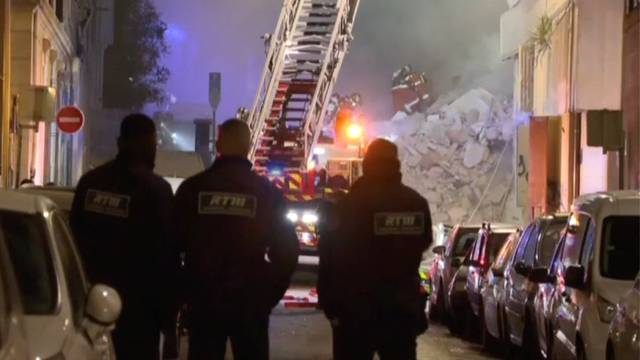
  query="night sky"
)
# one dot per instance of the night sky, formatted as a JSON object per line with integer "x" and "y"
{"x": 455, "y": 41}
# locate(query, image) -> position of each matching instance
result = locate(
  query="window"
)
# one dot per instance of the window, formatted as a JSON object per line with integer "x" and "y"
{"x": 587, "y": 250}
{"x": 506, "y": 252}
{"x": 532, "y": 245}
{"x": 73, "y": 270}
{"x": 523, "y": 244}
{"x": 576, "y": 231}
{"x": 30, "y": 255}
{"x": 494, "y": 245}
{"x": 620, "y": 247}
{"x": 478, "y": 247}
{"x": 464, "y": 243}
{"x": 60, "y": 10}
{"x": 549, "y": 241}
{"x": 463, "y": 240}
{"x": 556, "y": 261}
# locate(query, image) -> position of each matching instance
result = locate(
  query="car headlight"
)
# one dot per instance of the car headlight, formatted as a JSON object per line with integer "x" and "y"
{"x": 310, "y": 218}
{"x": 292, "y": 216}
{"x": 606, "y": 310}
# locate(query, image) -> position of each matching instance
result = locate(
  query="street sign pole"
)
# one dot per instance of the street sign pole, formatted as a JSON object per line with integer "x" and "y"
{"x": 215, "y": 95}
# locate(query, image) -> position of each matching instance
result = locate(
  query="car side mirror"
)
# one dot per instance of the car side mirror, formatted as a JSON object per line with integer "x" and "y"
{"x": 539, "y": 275}
{"x": 439, "y": 250}
{"x": 521, "y": 268}
{"x": 455, "y": 262}
{"x": 103, "y": 305}
{"x": 574, "y": 276}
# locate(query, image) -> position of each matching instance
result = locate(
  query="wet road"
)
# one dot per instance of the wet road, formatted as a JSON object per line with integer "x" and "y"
{"x": 305, "y": 334}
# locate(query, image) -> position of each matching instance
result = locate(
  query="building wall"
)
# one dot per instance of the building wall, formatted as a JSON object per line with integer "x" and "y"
{"x": 581, "y": 71}
{"x": 631, "y": 98}
{"x": 598, "y": 57}
{"x": 53, "y": 42}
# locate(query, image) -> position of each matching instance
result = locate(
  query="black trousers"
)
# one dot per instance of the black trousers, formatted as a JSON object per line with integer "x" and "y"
{"x": 136, "y": 343}
{"x": 393, "y": 339}
{"x": 208, "y": 338}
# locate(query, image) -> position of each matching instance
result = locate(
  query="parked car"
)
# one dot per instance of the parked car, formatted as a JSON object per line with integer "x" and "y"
{"x": 63, "y": 318}
{"x": 493, "y": 295}
{"x": 450, "y": 256}
{"x": 544, "y": 301}
{"x": 535, "y": 251}
{"x": 13, "y": 340}
{"x": 62, "y": 197}
{"x": 483, "y": 253}
{"x": 599, "y": 265}
{"x": 456, "y": 301}
{"x": 624, "y": 332}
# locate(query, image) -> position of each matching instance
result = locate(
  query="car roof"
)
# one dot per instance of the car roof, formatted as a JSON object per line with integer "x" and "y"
{"x": 607, "y": 201}
{"x": 61, "y": 196}
{"x": 495, "y": 226}
{"x": 23, "y": 202}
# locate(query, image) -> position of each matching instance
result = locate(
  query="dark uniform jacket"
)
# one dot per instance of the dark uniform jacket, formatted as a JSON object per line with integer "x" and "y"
{"x": 228, "y": 218}
{"x": 371, "y": 248}
{"x": 120, "y": 219}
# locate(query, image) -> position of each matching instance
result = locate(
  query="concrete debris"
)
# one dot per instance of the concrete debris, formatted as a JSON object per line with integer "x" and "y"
{"x": 458, "y": 155}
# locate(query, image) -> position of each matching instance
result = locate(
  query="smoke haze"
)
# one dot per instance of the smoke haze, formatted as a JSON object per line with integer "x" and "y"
{"x": 456, "y": 42}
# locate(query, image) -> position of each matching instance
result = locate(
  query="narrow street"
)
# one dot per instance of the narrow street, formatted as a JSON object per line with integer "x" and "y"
{"x": 304, "y": 334}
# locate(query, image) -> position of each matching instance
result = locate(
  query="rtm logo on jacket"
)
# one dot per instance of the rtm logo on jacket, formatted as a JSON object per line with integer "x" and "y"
{"x": 106, "y": 203}
{"x": 218, "y": 203}
{"x": 400, "y": 223}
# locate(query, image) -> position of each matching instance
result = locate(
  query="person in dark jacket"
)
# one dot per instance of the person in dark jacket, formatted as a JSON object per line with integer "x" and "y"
{"x": 240, "y": 252}
{"x": 370, "y": 252}
{"x": 120, "y": 217}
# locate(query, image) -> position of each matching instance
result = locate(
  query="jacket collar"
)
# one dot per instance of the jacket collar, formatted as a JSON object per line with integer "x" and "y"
{"x": 233, "y": 161}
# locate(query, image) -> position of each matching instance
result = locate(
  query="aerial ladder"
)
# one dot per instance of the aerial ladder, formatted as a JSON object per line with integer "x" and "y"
{"x": 304, "y": 58}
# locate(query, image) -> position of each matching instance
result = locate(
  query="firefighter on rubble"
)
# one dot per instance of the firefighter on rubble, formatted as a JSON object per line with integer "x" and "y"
{"x": 370, "y": 252}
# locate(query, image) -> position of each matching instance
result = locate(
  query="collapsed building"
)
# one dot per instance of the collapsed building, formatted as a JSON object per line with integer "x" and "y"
{"x": 459, "y": 155}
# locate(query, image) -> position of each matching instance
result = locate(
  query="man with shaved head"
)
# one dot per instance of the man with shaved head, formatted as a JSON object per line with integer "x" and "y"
{"x": 229, "y": 221}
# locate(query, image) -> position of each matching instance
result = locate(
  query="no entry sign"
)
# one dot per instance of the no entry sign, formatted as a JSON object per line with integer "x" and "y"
{"x": 70, "y": 119}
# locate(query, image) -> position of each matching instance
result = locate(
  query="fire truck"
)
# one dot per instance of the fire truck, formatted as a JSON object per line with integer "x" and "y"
{"x": 304, "y": 58}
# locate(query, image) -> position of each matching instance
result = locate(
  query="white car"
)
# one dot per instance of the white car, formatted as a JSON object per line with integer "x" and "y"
{"x": 624, "y": 333}
{"x": 13, "y": 340}
{"x": 600, "y": 261}
{"x": 63, "y": 319}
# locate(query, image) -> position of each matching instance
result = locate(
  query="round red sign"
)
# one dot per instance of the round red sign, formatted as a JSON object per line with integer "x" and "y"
{"x": 70, "y": 119}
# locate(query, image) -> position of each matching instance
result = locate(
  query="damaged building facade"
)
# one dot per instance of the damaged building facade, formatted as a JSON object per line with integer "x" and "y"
{"x": 458, "y": 154}
{"x": 576, "y": 98}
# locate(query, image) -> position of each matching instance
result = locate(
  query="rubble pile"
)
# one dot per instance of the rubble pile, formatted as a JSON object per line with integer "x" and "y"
{"x": 458, "y": 155}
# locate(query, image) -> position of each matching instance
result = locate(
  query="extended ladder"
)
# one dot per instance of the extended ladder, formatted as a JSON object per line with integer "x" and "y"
{"x": 303, "y": 62}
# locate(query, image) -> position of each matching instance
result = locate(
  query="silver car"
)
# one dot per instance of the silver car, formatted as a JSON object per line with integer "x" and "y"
{"x": 63, "y": 318}
{"x": 13, "y": 340}
{"x": 493, "y": 296}
{"x": 624, "y": 331}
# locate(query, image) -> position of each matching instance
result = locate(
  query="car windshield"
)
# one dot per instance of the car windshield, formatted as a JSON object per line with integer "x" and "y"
{"x": 30, "y": 255}
{"x": 620, "y": 247}
{"x": 464, "y": 240}
{"x": 549, "y": 241}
